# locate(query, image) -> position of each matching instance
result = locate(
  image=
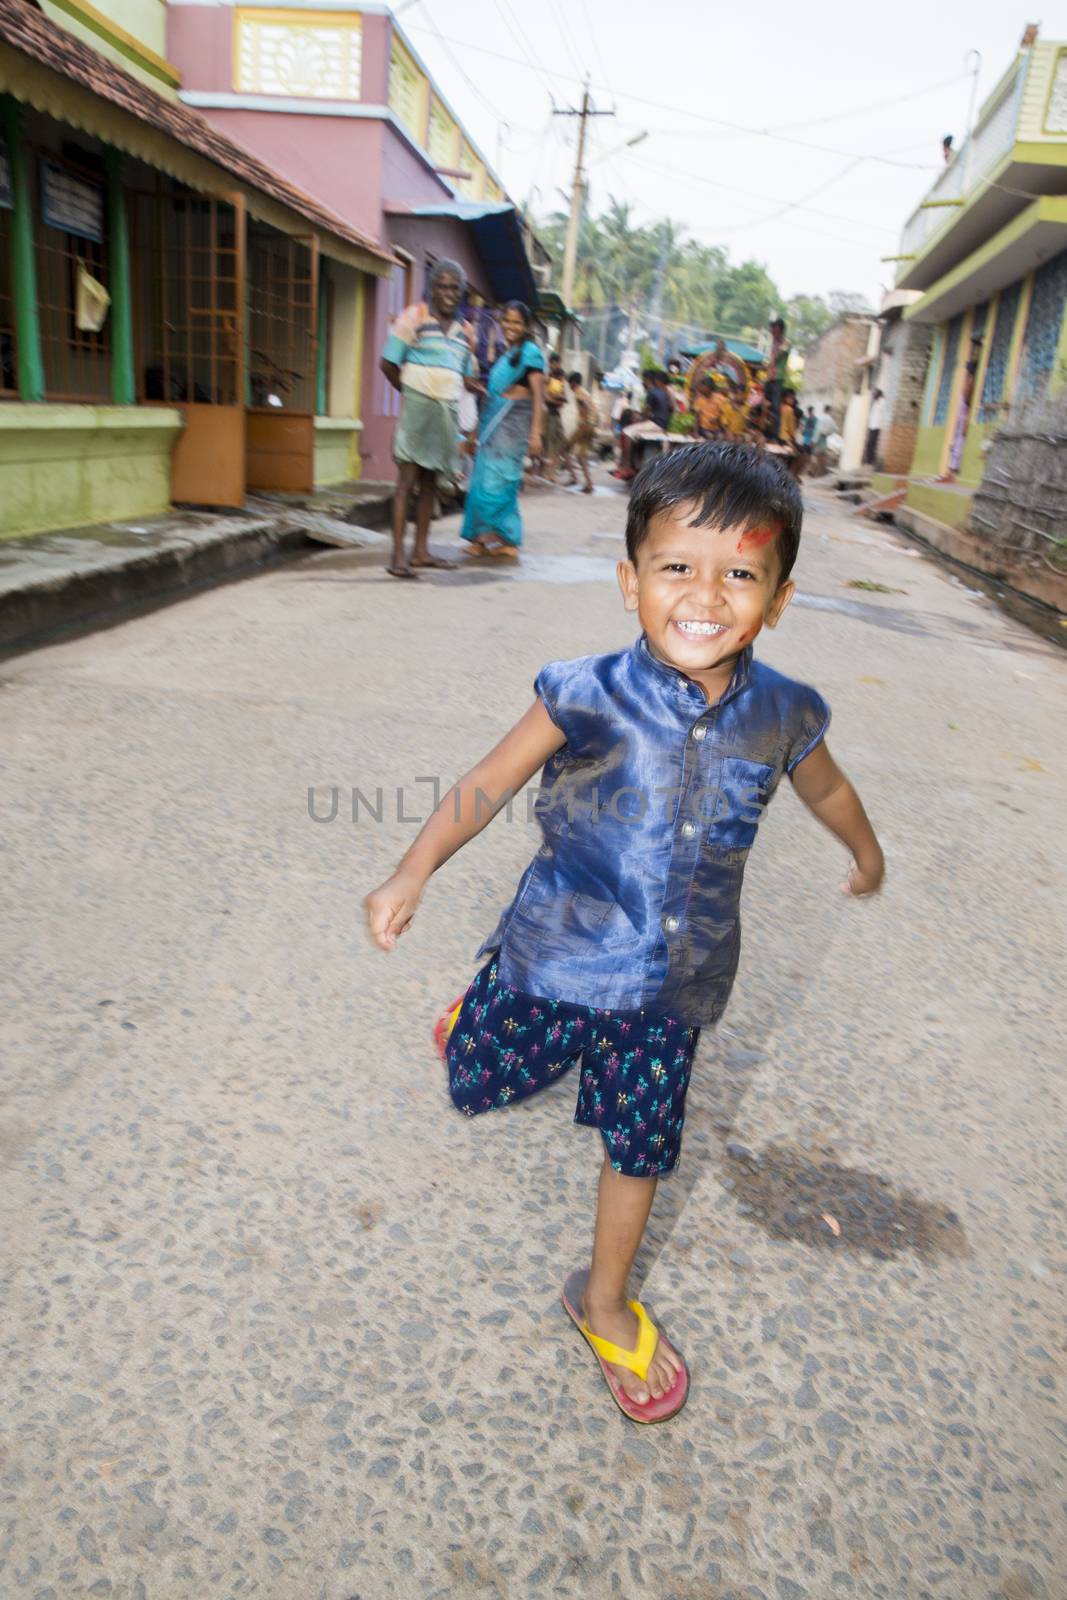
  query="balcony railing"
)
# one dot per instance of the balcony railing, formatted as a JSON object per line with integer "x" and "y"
{"x": 968, "y": 171}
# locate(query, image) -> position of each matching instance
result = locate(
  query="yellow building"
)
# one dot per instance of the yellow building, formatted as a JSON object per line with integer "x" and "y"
{"x": 983, "y": 263}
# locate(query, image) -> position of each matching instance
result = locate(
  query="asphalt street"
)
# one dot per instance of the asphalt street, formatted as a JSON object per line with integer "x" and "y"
{"x": 278, "y": 1322}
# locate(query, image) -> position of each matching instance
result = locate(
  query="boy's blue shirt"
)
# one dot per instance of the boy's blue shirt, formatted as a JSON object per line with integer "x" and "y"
{"x": 648, "y": 813}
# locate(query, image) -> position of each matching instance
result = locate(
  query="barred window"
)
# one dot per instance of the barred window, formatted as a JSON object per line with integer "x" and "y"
{"x": 996, "y": 372}
{"x": 948, "y": 371}
{"x": 70, "y": 248}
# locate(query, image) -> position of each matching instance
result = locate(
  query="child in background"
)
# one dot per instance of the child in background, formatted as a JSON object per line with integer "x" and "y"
{"x": 581, "y": 440}
{"x": 707, "y": 410}
{"x": 622, "y": 940}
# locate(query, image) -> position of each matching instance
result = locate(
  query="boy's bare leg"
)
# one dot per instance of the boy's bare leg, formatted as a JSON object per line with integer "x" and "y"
{"x": 623, "y": 1205}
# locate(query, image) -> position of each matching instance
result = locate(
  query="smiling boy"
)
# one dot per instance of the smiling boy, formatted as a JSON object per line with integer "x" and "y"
{"x": 623, "y": 938}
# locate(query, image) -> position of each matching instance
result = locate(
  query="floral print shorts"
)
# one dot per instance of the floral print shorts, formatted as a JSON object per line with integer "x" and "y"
{"x": 633, "y": 1079}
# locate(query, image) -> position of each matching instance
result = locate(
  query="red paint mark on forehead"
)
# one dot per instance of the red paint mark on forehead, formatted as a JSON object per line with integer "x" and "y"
{"x": 756, "y": 537}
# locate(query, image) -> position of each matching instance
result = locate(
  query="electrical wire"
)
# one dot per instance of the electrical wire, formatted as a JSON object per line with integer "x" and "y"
{"x": 565, "y": 35}
{"x": 700, "y": 116}
{"x": 819, "y": 233}
{"x": 506, "y": 10}
{"x": 728, "y": 188}
{"x": 584, "y": 4}
{"x": 464, "y": 74}
{"x": 875, "y": 105}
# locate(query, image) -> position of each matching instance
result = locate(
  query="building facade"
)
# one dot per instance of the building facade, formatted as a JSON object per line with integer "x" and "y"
{"x": 900, "y": 373}
{"x": 984, "y": 258}
{"x": 832, "y": 367}
{"x": 177, "y": 322}
{"x": 339, "y": 102}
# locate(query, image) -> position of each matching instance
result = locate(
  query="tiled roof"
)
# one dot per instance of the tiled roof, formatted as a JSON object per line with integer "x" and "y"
{"x": 31, "y": 33}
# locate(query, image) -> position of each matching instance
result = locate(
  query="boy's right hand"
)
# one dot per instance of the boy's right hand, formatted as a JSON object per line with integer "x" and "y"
{"x": 391, "y": 908}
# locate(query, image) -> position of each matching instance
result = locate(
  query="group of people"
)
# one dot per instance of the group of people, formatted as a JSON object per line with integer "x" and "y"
{"x": 479, "y": 380}
{"x": 472, "y": 381}
{"x": 723, "y": 400}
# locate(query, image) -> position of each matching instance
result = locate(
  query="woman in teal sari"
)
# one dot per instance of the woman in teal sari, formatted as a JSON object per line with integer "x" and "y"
{"x": 510, "y": 428}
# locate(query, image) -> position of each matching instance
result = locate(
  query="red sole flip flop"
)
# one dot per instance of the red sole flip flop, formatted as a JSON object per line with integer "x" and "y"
{"x": 445, "y": 1024}
{"x": 656, "y": 1410}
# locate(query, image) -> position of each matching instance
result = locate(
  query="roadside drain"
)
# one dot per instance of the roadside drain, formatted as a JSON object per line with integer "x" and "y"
{"x": 794, "y": 1194}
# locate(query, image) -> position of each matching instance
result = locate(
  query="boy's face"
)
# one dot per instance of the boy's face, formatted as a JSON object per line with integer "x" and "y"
{"x": 703, "y": 594}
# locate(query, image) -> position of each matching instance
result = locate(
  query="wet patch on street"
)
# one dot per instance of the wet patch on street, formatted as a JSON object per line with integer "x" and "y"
{"x": 807, "y": 1196}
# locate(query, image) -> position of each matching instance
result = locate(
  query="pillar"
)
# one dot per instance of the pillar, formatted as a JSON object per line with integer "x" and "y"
{"x": 357, "y": 396}
{"x": 23, "y": 272}
{"x": 322, "y": 339}
{"x": 123, "y": 381}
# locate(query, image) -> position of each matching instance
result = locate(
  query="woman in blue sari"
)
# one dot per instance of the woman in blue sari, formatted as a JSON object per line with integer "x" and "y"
{"x": 510, "y": 428}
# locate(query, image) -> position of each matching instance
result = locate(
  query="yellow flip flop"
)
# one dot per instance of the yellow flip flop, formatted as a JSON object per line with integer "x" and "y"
{"x": 657, "y": 1409}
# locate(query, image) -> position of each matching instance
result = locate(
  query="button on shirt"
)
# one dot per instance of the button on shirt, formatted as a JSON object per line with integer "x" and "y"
{"x": 648, "y": 813}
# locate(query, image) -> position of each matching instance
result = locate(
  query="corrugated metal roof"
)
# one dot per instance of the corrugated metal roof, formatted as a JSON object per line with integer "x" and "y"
{"x": 497, "y": 236}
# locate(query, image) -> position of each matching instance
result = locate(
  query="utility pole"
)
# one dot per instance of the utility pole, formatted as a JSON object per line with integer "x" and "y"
{"x": 570, "y": 252}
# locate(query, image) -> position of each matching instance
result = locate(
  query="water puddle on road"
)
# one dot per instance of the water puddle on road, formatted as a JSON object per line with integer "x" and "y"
{"x": 810, "y": 1198}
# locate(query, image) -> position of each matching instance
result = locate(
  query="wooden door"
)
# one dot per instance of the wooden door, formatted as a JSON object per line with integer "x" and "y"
{"x": 190, "y": 270}
{"x": 282, "y": 345}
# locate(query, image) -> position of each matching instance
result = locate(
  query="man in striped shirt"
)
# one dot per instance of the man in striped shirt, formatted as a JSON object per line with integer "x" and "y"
{"x": 428, "y": 356}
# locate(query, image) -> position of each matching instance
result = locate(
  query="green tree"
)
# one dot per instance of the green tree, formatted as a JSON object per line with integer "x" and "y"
{"x": 807, "y": 318}
{"x": 746, "y": 296}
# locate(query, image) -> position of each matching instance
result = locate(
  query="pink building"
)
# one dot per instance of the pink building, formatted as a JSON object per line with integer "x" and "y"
{"x": 338, "y": 102}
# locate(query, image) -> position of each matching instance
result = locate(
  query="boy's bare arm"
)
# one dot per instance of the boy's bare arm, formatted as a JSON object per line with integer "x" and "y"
{"x": 828, "y": 795}
{"x": 462, "y": 814}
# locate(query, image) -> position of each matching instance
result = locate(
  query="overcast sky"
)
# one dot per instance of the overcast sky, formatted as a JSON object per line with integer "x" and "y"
{"x": 856, "y": 82}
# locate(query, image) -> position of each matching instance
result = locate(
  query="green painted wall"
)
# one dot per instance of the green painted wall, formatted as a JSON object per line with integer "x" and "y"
{"x": 886, "y": 482}
{"x": 334, "y": 438}
{"x": 945, "y": 505}
{"x": 928, "y": 446}
{"x": 67, "y": 466}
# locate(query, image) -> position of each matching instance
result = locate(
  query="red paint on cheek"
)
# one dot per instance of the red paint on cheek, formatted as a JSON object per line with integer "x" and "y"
{"x": 756, "y": 537}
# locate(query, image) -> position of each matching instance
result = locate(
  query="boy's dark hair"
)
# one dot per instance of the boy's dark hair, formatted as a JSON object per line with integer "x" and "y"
{"x": 574, "y": 377}
{"x": 730, "y": 485}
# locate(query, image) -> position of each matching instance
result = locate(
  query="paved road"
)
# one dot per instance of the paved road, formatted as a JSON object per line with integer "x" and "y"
{"x": 279, "y": 1323}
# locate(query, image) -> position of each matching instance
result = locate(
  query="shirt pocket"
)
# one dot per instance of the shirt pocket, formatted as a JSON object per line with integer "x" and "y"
{"x": 744, "y": 792}
{"x": 566, "y": 926}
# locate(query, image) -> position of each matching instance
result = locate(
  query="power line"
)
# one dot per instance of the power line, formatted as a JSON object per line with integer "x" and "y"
{"x": 464, "y": 74}
{"x": 875, "y": 105}
{"x": 728, "y": 188}
{"x": 594, "y": 36}
{"x": 564, "y": 33}
{"x": 699, "y": 116}
{"x": 819, "y": 233}
{"x": 524, "y": 43}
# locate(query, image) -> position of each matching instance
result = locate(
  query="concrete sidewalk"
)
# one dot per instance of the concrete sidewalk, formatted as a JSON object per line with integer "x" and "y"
{"x": 82, "y": 578}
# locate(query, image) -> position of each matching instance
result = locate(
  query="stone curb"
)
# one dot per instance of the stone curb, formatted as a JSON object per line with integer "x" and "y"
{"x": 82, "y": 586}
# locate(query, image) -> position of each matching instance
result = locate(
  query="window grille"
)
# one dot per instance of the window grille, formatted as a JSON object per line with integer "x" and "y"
{"x": 281, "y": 333}
{"x": 77, "y": 361}
{"x": 186, "y": 304}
